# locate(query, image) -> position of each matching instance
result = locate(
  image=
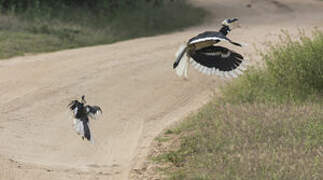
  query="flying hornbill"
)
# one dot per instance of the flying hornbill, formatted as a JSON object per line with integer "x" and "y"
{"x": 209, "y": 59}
{"x": 81, "y": 114}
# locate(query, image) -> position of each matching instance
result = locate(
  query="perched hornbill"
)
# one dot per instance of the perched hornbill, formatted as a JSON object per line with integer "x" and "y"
{"x": 209, "y": 59}
{"x": 81, "y": 113}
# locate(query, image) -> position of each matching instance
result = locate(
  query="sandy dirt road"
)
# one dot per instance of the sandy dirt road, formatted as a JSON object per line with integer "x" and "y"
{"x": 133, "y": 83}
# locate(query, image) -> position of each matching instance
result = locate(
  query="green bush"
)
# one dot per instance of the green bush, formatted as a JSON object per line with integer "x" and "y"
{"x": 293, "y": 72}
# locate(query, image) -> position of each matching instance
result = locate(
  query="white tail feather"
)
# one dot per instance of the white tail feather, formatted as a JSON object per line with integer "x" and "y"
{"x": 186, "y": 66}
{"x": 182, "y": 67}
{"x": 180, "y": 50}
{"x": 182, "y": 59}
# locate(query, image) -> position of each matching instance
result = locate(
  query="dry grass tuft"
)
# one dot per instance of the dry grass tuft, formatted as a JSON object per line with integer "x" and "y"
{"x": 248, "y": 141}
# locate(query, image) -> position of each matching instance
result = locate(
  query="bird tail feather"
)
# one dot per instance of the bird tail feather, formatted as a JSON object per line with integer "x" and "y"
{"x": 182, "y": 67}
{"x": 179, "y": 54}
{"x": 87, "y": 133}
{"x": 181, "y": 63}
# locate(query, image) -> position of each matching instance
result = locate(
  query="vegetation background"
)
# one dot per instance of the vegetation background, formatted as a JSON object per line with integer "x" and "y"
{"x": 33, "y": 26}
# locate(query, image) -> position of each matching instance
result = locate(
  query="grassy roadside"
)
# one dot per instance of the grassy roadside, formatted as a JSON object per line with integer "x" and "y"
{"x": 267, "y": 125}
{"x": 36, "y": 31}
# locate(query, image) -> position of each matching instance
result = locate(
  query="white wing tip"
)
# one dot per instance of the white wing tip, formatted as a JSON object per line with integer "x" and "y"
{"x": 233, "y": 74}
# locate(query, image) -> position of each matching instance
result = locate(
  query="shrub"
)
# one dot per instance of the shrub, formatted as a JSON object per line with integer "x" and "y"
{"x": 293, "y": 72}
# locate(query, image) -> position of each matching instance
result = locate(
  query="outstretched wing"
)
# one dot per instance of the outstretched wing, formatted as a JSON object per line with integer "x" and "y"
{"x": 218, "y": 60}
{"x": 93, "y": 110}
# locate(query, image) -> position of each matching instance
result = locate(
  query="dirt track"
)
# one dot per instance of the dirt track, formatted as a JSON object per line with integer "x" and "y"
{"x": 133, "y": 83}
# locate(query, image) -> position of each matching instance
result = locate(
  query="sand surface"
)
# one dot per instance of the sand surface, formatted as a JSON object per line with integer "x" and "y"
{"x": 134, "y": 84}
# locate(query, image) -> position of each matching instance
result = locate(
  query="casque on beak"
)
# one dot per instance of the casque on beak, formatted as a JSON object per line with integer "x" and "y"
{"x": 231, "y": 23}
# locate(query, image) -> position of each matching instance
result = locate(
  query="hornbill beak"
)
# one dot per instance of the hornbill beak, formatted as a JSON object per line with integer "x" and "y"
{"x": 232, "y": 20}
{"x": 232, "y": 23}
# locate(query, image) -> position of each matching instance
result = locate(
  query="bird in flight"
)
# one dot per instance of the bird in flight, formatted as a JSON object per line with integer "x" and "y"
{"x": 82, "y": 114}
{"x": 202, "y": 52}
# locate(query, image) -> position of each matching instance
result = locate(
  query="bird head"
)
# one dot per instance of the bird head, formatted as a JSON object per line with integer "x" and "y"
{"x": 83, "y": 99}
{"x": 231, "y": 23}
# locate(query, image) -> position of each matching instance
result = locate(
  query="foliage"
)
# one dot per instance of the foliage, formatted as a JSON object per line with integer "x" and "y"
{"x": 48, "y": 29}
{"x": 293, "y": 72}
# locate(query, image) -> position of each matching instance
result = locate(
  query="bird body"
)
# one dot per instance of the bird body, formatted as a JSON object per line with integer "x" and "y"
{"x": 81, "y": 114}
{"x": 208, "y": 38}
{"x": 201, "y": 52}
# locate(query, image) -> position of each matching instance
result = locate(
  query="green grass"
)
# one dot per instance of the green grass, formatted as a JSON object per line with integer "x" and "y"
{"x": 293, "y": 72}
{"x": 44, "y": 30}
{"x": 268, "y": 124}
{"x": 248, "y": 141}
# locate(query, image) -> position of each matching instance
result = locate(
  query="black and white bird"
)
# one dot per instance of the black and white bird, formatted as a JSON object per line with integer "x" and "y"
{"x": 208, "y": 58}
{"x": 82, "y": 114}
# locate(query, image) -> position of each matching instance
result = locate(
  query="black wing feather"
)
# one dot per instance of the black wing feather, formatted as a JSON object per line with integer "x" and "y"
{"x": 72, "y": 105}
{"x": 212, "y": 57}
{"x": 93, "y": 109}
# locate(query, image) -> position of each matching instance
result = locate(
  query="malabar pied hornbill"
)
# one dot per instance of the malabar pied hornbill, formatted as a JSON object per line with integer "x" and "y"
{"x": 208, "y": 58}
{"x": 82, "y": 114}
